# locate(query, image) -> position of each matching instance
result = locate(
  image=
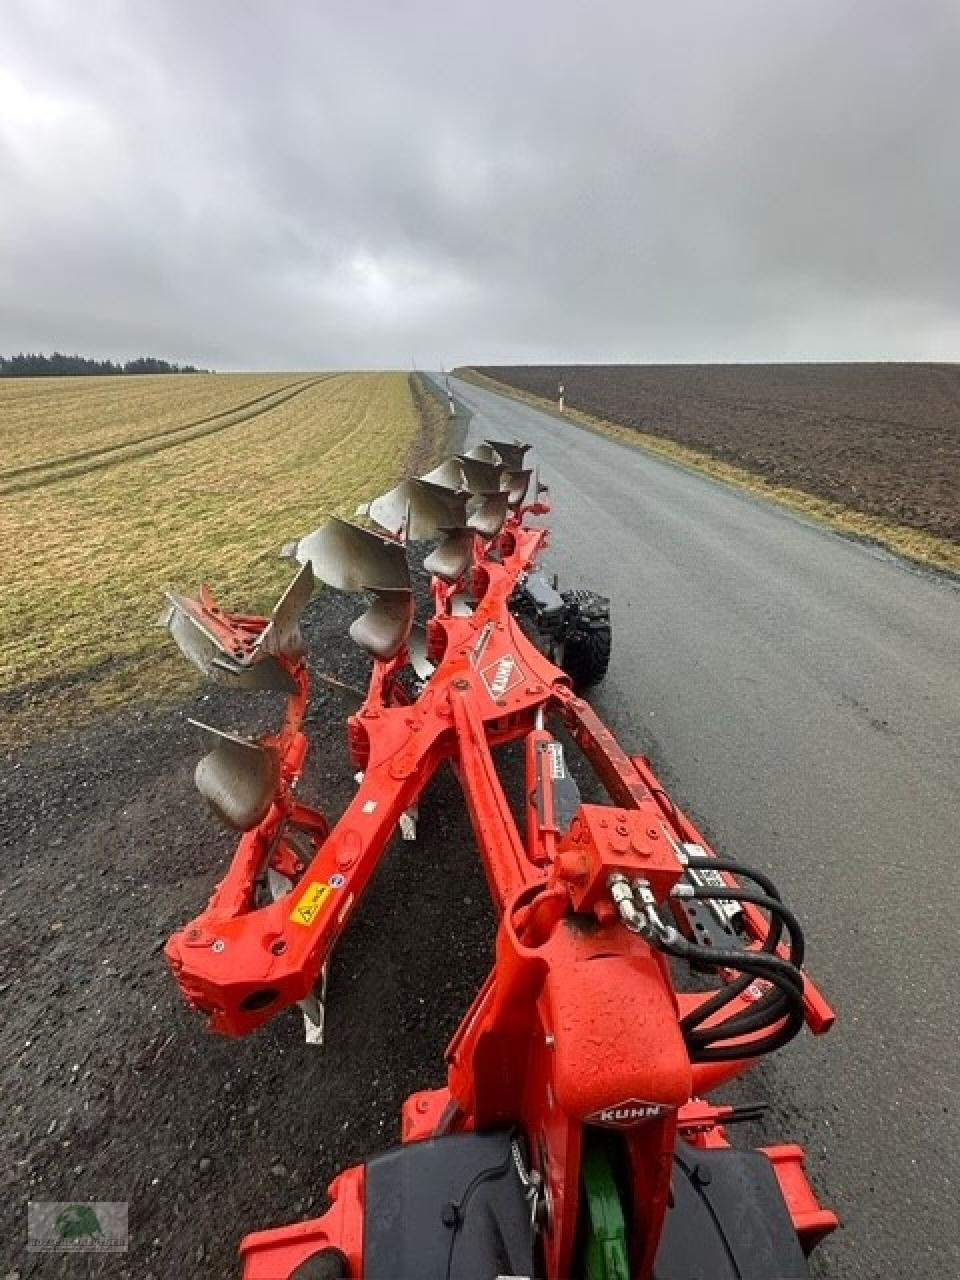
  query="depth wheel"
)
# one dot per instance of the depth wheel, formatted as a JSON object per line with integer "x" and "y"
{"x": 586, "y": 647}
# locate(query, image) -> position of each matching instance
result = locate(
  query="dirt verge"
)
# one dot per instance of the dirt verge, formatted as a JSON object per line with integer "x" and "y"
{"x": 437, "y": 434}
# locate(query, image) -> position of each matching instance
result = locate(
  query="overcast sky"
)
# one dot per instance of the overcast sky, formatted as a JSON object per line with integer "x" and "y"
{"x": 314, "y": 185}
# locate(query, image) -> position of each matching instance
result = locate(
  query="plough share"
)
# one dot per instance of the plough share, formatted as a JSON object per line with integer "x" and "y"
{"x": 574, "y": 1136}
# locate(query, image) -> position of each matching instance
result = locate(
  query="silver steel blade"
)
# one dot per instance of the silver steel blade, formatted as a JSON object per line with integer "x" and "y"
{"x": 205, "y": 651}
{"x": 238, "y": 778}
{"x": 313, "y": 1007}
{"x": 282, "y": 633}
{"x": 450, "y": 559}
{"x": 481, "y": 476}
{"x": 350, "y": 558}
{"x": 515, "y": 484}
{"x": 488, "y": 514}
{"x": 510, "y": 452}
{"x": 193, "y": 639}
{"x": 417, "y": 648}
{"x": 384, "y": 628}
{"x": 419, "y": 508}
{"x": 482, "y": 453}
{"x": 448, "y": 475}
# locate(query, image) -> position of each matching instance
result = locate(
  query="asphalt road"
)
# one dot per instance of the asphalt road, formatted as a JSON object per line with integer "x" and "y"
{"x": 800, "y": 695}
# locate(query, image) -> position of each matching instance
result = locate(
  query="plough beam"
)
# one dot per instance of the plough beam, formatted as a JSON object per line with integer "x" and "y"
{"x": 568, "y": 1138}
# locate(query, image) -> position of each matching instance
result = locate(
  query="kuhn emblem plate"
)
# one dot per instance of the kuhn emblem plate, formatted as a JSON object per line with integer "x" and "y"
{"x": 624, "y": 1115}
{"x": 502, "y": 676}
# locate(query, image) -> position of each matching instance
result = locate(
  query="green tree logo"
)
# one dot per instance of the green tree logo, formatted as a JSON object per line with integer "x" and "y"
{"x": 77, "y": 1222}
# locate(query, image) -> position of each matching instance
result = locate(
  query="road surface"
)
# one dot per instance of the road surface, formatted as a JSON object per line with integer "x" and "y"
{"x": 800, "y": 695}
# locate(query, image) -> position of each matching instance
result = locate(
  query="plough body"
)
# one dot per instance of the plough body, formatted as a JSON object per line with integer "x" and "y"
{"x": 572, "y": 1137}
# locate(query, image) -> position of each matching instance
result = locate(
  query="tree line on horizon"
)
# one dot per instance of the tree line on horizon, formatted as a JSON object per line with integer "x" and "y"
{"x": 58, "y": 365}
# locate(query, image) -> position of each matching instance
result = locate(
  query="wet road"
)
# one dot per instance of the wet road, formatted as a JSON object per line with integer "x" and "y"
{"x": 800, "y": 695}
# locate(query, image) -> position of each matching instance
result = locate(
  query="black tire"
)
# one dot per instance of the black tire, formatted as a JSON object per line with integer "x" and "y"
{"x": 586, "y": 647}
{"x": 328, "y": 1264}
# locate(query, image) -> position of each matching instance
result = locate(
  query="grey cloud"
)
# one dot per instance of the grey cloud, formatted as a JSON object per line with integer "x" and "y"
{"x": 301, "y": 185}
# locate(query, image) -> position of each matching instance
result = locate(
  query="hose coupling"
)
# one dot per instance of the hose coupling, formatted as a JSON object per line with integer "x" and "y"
{"x": 638, "y": 910}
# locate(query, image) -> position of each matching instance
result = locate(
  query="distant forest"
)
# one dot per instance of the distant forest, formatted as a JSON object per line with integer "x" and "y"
{"x": 60, "y": 366}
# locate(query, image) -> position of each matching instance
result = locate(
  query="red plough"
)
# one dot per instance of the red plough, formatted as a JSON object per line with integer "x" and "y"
{"x": 574, "y": 1137}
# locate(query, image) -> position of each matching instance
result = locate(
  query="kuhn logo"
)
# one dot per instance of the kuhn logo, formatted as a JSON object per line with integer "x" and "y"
{"x": 502, "y": 675}
{"x": 501, "y": 681}
{"x": 623, "y": 1115}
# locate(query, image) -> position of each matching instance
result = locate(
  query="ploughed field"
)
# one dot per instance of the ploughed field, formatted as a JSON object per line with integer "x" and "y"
{"x": 883, "y": 439}
{"x": 113, "y": 489}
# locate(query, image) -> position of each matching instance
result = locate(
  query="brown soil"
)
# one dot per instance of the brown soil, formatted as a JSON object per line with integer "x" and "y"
{"x": 883, "y": 439}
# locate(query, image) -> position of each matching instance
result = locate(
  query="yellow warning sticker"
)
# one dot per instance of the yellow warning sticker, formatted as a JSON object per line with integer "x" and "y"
{"x": 311, "y": 903}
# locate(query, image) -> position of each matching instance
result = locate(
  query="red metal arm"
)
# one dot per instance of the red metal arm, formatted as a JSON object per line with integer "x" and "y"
{"x": 578, "y": 1026}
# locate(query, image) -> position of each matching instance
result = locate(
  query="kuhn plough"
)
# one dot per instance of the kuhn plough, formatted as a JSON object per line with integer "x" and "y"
{"x": 573, "y": 1137}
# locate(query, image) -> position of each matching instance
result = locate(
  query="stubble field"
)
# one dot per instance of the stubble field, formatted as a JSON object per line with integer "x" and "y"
{"x": 113, "y": 489}
{"x": 114, "y": 1090}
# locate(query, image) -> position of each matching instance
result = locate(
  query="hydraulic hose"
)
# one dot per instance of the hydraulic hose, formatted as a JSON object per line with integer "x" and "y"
{"x": 777, "y": 911}
{"x": 785, "y": 1006}
{"x": 773, "y": 1006}
{"x": 779, "y": 915}
{"x": 780, "y": 1009}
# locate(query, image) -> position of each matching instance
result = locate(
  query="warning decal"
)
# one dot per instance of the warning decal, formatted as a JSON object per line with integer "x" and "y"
{"x": 311, "y": 903}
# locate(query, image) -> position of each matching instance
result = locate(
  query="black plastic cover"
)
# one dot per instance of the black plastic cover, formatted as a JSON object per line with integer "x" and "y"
{"x": 449, "y": 1209}
{"x": 728, "y": 1220}
{"x": 548, "y": 604}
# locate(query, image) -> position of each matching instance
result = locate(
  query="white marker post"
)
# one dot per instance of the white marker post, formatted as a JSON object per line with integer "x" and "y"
{"x": 560, "y": 396}
{"x": 452, "y": 407}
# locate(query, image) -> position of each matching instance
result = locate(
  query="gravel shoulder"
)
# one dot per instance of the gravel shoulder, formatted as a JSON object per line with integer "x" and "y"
{"x": 114, "y": 1089}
